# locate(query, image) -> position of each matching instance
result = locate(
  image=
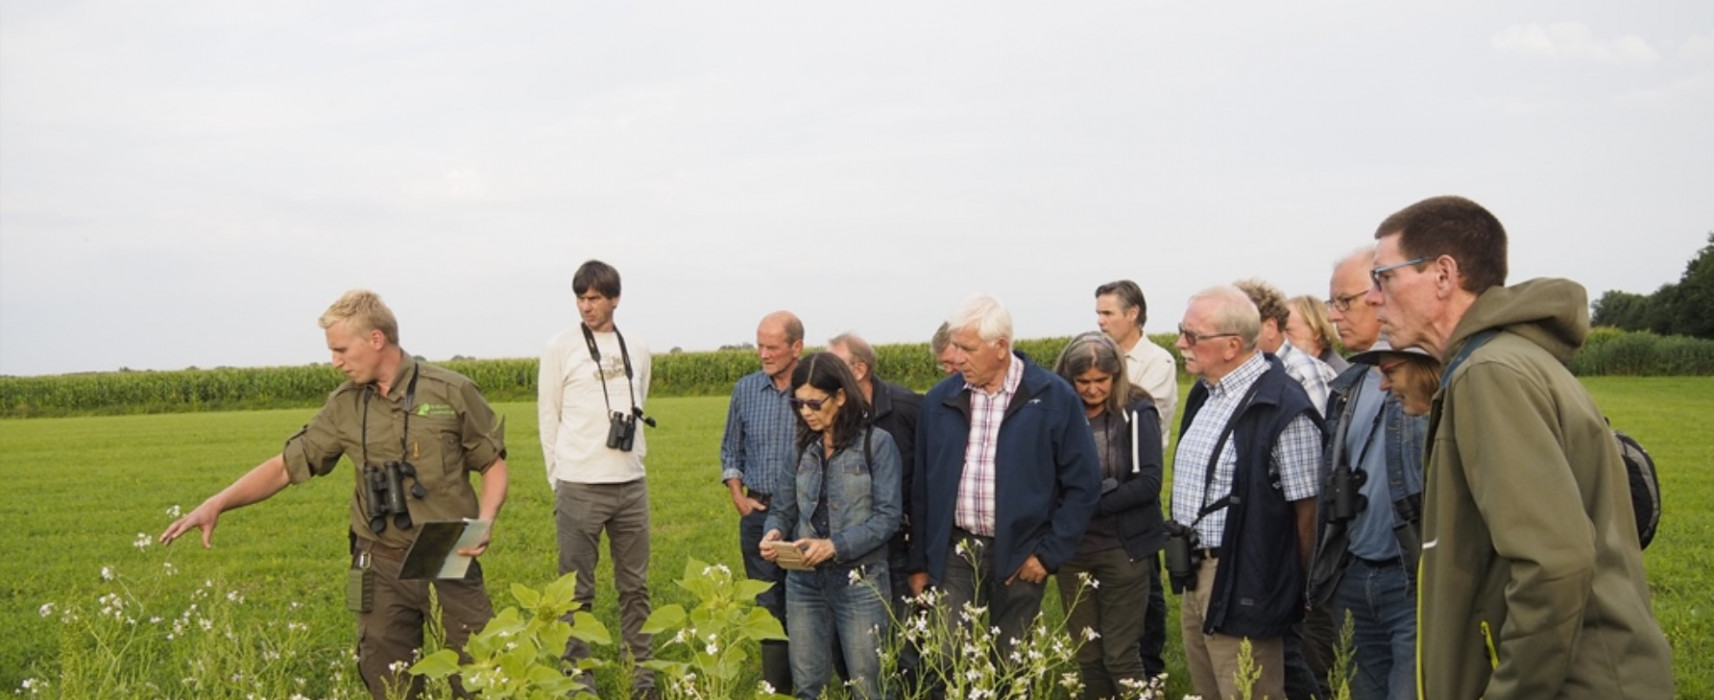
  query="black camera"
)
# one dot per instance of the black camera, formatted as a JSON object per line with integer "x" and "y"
{"x": 384, "y": 494}
{"x": 621, "y": 431}
{"x": 1182, "y": 549}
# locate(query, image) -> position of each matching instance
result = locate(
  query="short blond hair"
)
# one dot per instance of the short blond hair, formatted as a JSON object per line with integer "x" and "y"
{"x": 362, "y": 311}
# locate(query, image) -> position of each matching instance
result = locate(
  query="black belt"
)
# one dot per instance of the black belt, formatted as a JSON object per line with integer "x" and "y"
{"x": 961, "y": 533}
{"x": 766, "y": 499}
{"x": 1379, "y": 563}
{"x": 1207, "y": 553}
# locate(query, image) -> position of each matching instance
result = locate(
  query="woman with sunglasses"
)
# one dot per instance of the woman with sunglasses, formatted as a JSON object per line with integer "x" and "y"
{"x": 1118, "y": 549}
{"x": 840, "y": 511}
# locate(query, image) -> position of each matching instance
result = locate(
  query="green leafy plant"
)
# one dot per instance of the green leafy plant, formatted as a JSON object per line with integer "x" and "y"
{"x": 713, "y": 642}
{"x": 518, "y": 653}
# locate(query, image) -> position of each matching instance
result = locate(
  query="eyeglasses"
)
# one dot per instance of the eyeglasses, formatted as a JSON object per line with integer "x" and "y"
{"x": 1343, "y": 304}
{"x": 1382, "y": 273}
{"x": 1195, "y": 337}
{"x": 811, "y": 404}
{"x": 1388, "y": 367}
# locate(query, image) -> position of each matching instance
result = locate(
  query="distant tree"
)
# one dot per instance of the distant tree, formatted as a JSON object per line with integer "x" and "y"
{"x": 739, "y": 346}
{"x": 1693, "y": 312}
{"x": 1622, "y": 310}
{"x": 1682, "y": 308}
{"x": 676, "y": 350}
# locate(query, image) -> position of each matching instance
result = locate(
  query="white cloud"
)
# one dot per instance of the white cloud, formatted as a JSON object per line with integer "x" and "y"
{"x": 1572, "y": 41}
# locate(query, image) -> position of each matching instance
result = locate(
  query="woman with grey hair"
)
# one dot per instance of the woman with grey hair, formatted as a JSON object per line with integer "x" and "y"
{"x": 1105, "y": 585}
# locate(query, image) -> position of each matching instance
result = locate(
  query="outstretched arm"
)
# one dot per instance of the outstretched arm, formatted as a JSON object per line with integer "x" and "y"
{"x": 267, "y": 479}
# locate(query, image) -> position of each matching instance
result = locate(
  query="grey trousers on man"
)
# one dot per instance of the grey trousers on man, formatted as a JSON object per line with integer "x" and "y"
{"x": 581, "y": 512}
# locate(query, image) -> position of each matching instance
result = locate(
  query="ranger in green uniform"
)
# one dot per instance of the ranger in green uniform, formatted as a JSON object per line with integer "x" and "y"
{"x": 415, "y": 432}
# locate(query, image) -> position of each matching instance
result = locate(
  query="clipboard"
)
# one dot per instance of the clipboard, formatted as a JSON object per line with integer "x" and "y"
{"x": 789, "y": 557}
{"x": 434, "y": 554}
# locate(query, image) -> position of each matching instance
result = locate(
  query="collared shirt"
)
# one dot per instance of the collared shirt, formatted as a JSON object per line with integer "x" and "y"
{"x": 1151, "y": 367}
{"x": 975, "y": 508}
{"x": 1298, "y": 454}
{"x": 1313, "y": 374}
{"x": 450, "y": 432}
{"x": 759, "y": 445}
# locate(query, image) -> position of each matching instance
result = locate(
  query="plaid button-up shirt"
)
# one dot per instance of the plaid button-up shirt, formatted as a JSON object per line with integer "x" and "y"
{"x": 1298, "y": 454}
{"x": 975, "y": 509}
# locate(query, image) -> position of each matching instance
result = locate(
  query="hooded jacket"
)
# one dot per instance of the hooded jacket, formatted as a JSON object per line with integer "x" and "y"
{"x": 1531, "y": 582}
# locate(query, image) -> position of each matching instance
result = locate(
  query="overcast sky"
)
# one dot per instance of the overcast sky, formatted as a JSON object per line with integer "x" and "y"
{"x": 192, "y": 183}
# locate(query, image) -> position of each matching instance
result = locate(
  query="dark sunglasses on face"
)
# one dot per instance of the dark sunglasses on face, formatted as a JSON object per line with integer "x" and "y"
{"x": 811, "y": 404}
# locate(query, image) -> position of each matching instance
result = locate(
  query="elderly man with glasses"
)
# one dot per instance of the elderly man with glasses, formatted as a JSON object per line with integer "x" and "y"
{"x": 1370, "y": 507}
{"x": 1245, "y": 482}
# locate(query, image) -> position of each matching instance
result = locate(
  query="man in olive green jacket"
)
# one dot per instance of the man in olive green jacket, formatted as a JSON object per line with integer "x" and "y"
{"x": 1531, "y": 583}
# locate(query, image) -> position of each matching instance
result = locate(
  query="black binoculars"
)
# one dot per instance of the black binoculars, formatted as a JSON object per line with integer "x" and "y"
{"x": 384, "y": 494}
{"x": 1347, "y": 498}
{"x": 622, "y": 429}
{"x": 1182, "y": 550}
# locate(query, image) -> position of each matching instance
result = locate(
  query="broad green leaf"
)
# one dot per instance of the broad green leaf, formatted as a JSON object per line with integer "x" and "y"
{"x": 527, "y": 597}
{"x": 664, "y": 618}
{"x": 584, "y": 626}
{"x": 438, "y": 665}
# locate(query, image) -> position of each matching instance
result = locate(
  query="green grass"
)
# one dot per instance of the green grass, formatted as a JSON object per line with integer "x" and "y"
{"x": 79, "y": 490}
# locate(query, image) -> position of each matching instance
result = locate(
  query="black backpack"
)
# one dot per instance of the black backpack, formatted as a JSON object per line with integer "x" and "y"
{"x": 1645, "y": 488}
{"x": 1639, "y": 466}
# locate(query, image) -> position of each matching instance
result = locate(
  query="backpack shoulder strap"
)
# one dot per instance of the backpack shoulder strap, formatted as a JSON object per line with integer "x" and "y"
{"x": 1470, "y": 346}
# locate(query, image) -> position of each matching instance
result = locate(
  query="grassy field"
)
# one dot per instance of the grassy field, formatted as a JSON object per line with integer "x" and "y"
{"x": 80, "y": 490}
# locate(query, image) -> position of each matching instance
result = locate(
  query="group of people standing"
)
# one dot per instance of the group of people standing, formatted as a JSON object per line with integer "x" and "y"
{"x": 1449, "y": 488}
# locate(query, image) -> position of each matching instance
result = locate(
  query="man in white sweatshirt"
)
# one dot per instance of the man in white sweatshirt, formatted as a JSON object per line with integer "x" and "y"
{"x": 590, "y": 395}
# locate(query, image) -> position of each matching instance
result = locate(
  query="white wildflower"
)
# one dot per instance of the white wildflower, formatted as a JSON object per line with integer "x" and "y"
{"x": 173, "y": 512}
{"x": 46, "y": 609}
{"x": 143, "y": 541}
{"x": 107, "y": 573}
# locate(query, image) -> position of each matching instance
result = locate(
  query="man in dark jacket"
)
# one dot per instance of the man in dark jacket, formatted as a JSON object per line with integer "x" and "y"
{"x": 1007, "y": 476}
{"x": 1245, "y": 482}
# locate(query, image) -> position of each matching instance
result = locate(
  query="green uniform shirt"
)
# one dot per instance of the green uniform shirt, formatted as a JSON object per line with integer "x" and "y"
{"x": 452, "y": 432}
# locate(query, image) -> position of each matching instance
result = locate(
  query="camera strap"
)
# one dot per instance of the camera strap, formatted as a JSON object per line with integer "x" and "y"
{"x": 624, "y": 356}
{"x": 404, "y": 435}
{"x": 1214, "y": 459}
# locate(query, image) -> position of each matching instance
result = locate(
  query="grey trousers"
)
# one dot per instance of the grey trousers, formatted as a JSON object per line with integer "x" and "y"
{"x": 581, "y": 512}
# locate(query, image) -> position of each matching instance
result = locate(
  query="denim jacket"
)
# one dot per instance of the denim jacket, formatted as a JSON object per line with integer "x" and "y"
{"x": 1404, "y": 441}
{"x": 864, "y": 505}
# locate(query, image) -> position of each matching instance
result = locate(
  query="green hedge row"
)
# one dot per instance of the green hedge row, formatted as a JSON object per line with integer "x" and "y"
{"x": 1607, "y": 352}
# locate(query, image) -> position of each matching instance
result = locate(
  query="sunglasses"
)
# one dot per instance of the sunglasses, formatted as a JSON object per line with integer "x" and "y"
{"x": 811, "y": 404}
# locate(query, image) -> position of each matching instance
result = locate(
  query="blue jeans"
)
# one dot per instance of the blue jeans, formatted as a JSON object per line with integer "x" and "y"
{"x": 825, "y": 605}
{"x": 1383, "y": 612}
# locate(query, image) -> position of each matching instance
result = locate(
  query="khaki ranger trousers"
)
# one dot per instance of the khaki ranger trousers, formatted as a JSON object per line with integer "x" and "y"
{"x": 390, "y": 635}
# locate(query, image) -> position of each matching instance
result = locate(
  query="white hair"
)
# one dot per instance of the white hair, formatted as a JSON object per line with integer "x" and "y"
{"x": 1234, "y": 313}
{"x": 984, "y": 313}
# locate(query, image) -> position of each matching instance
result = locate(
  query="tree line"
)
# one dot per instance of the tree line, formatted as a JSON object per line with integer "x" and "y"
{"x": 1682, "y": 308}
